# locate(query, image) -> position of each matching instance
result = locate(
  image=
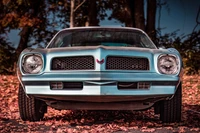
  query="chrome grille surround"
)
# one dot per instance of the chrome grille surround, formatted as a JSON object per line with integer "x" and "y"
{"x": 127, "y": 63}
{"x": 73, "y": 63}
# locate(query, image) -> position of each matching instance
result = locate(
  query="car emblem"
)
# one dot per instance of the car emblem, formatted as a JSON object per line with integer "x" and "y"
{"x": 100, "y": 61}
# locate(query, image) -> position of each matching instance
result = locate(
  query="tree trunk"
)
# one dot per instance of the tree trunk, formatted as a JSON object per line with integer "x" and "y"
{"x": 72, "y": 14}
{"x": 151, "y": 19}
{"x": 139, "y": 14}
{"x": 26, "y": 30}
{"x": 129, "y": 13}
{"x": 92, "y": 13}
{"x": 24, "y": 38}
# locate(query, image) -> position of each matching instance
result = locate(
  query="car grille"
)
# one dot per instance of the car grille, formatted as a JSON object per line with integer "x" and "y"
{"x": 126, "y": 63}
{"x": 73, "y": 63}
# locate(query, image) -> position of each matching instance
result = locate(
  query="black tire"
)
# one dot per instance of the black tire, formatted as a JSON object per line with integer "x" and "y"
{"x": 170, "y": 110}
{"x": 30, "y": 109}
{"x": 157, "y": 108}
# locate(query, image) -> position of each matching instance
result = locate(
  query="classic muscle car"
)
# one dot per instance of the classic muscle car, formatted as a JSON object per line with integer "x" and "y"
{"x": 100, "y": 68}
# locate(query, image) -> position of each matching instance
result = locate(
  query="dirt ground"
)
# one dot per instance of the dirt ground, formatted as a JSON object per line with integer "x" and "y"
{"x": 99, "y": 121}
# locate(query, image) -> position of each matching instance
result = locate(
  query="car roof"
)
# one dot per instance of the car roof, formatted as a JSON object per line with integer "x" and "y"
{"x": 104, "y": 27}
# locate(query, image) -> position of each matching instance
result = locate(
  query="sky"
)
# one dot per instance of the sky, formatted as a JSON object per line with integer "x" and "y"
{"x": 182, "y": 15}
{"x": 176, "y": 15}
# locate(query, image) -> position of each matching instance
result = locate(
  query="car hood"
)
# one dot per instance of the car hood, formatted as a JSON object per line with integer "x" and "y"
{"x": 87, "y": 48}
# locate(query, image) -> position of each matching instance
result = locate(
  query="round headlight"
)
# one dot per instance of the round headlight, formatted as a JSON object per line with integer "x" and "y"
{"x": 32, "y": 64}
{"x": 168, "y": 64}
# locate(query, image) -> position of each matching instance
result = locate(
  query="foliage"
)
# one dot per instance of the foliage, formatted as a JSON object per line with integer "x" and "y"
{"x": 40, "y": 20}
{"x": 188, "y": 46}
{"x": 191, "y": 53}
{"x": 6, "y": 57}
{"x": 82, "y": 121}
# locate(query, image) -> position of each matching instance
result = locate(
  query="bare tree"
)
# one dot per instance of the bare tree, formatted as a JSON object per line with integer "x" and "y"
{"x": 139, "y": 14}
{"x": 72, "y": 14}
{"x": 151, "y": 19}
{"x": 73, "y": 10}
{"x": 92, "y": 14}
{"x": 129, "y": 13}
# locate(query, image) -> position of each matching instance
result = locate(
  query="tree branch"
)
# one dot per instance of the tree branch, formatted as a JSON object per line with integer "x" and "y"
{"x": 79, "y": 5}
{"x": 198, "y": 22}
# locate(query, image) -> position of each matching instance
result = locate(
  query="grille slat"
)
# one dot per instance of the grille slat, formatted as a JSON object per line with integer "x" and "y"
{"x": 73, "y": 63}
{"x": 126, "y": 63}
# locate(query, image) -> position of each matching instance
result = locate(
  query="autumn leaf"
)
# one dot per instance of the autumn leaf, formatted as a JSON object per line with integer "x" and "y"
{"x": 98, "y": 121}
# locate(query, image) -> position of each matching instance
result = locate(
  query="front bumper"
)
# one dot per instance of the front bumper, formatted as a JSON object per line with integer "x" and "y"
{"x": 160, "y": 85}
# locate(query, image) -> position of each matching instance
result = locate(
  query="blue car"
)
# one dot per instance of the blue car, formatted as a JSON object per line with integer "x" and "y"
{"x": 100, "y": 68}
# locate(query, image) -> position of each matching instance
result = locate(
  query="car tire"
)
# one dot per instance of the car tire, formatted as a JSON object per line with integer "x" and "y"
{"x": 157, "y": 108}
{"x": 30, "y": 109}
{"x": 170, "y": 110}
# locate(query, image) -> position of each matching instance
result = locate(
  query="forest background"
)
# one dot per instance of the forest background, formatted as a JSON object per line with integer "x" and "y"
{"x": 35, "y": 23}
{"x": 169, "y": 23}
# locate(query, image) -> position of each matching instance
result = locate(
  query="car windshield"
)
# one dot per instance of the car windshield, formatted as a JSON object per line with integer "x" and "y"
{"x": 105, "y": 37}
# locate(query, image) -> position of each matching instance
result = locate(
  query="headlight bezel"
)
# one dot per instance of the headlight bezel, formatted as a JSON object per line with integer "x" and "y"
{"x": 172, "y": 56}
{"x": 25, "y": 57}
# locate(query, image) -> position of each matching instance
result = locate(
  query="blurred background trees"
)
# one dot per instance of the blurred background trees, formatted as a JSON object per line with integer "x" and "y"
{"x": 38, "y": 20}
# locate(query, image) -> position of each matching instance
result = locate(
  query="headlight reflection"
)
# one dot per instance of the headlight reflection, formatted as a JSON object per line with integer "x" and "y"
{"x": 168, "y": 64}
{"x": 32, "y": 64}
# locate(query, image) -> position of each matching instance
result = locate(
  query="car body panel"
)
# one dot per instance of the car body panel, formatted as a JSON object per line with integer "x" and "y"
{"x": 100, "y": 82}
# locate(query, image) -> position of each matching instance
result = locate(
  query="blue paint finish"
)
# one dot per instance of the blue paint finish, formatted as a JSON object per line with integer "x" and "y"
{"x": 100, "y": 73}
{"x": 101, "y": 91}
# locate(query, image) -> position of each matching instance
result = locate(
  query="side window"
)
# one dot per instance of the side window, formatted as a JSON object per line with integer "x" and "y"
{"x": 145, "y": 42}
{"x": 67, "y": 41}
{"x": 58, "y": 42}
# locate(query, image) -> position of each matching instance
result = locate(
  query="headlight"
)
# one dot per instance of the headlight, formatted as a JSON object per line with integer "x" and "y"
{"x": 32, "y": 64}
{"x": 168, "y": 64}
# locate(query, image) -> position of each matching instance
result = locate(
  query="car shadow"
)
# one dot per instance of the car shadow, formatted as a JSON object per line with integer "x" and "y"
{"x": 190, "y": 118}
{"x": 137, "y": 120}
{"x": 91, "y": 117}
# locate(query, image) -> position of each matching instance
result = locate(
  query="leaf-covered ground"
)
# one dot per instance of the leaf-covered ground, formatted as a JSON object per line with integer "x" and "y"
{"x": 98, "y": 121}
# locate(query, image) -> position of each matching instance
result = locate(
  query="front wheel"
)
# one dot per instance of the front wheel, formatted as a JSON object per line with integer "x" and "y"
{"x": 170, "y": 110}
{"x": 30, "y": 109}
